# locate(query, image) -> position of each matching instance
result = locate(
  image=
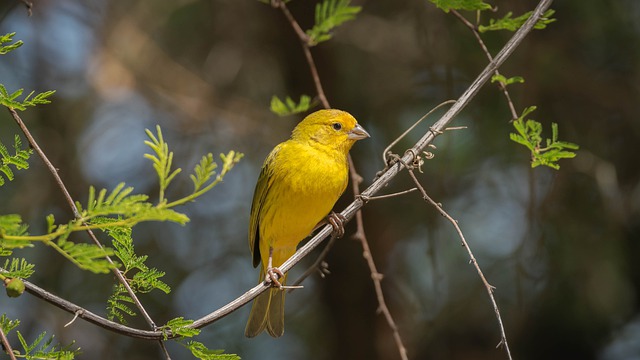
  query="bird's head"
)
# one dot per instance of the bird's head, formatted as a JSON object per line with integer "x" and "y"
{"x": 332, "y": 128}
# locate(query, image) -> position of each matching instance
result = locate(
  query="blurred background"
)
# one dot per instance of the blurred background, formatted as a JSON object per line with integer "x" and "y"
{"x": 560, "y": 246}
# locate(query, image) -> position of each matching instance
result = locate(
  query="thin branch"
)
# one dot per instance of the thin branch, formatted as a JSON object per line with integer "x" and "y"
{"x": 6, "y": 345}
{"x": 503, "y": 87}
{"x": 28, "y": 5}
{"x": 77, "y": 215}
{"x": 304, "y": 40}
{"x": 490, "y": 288}
{"x": 387, "y": 196}
{"x": 376, "y": 277}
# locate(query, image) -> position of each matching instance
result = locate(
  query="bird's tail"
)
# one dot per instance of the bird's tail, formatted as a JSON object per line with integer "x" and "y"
{"x": 267, "y": 312}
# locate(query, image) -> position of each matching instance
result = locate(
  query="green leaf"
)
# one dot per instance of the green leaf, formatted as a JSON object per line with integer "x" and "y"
{"x": 9, "y": 100}
{"x": 203, "y": 172}
{"x": 7, "y": 38}
{"x": 329, "y": 15}
{"x": 18, "y": 160}
{"x": 512, "y": 24}
{"x": 200, "y": 351}
{"x": 17, "y": 268}
{"x": 289, "y": 107}
{"x": 117, "y": 306}
{"x": 179, "y": 326}
{"x": 507, "y": 81}
{"x": 161, "y": 160}
{"x": 529, "y": 134}
{"x": 470, "y": 5}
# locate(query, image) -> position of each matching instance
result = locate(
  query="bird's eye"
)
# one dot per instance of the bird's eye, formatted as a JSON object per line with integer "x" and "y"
{"x": 337, "y": 126}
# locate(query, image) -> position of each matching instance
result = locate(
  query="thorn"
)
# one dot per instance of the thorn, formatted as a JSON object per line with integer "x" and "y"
{"x": 78, "y": 312}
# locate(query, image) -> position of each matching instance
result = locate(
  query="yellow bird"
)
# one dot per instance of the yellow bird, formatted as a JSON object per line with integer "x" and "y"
{"x": 301, "y": 180}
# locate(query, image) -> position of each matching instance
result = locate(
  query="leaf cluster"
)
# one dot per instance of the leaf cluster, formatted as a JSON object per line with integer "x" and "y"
{"x": 140, "y": 277}
{"x": 469, "y": 5}
{"x": 10, "y": 100}
{"x": 40, "y": 348}
{"x": 529, "y": 134}
{"x": 329, "y": 15}
{"x": 289, "y": 106}
{"x": 182, "y": 327}
{"x": 513, "y": 24}
{"x": 7, "y": 38}
{"x": 18, "y": 160}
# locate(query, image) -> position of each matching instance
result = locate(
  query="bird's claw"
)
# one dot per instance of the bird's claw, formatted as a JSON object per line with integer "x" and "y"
{"x": 273, "y": 274}
{"x": 337, "y": 222}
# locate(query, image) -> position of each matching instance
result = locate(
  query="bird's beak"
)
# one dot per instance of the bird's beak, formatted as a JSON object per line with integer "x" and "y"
{"x": 358, "y": 133}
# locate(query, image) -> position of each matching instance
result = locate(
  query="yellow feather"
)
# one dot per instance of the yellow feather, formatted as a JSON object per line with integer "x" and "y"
{"x": 301, "y": 180}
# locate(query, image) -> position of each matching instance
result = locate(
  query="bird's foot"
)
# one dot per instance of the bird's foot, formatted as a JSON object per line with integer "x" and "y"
{"x": 273, "y": 274}
{"x": 337, "y": 222}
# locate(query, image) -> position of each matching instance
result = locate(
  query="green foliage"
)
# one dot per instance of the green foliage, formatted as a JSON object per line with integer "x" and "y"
{"x": 329, "y": 15}
{"x": 9, "y": 100}
{"x": 144, "y": 279}
{"x": 529, "y": 134}
{"x": 17, "y": 268}
{"x": 289, "y": 106}
{"x": 11, "y": 225}
{"x": 513, "y": 24}
{"x": 202, "y": 352}
{"x": 19, "y": 160}
{"x": 7, "y": 38}
{"x": 507, "y": 81}
{"x": 203, "y": 172}
{"x": 39, "y": 349}
{"x": 161, "y": 161}
{"x": 117, "y": 304}
{"x": 470, "y": 5}
{"x": 181, "y": 327}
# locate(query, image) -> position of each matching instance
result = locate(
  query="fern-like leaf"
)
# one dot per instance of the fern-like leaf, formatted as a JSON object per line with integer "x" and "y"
{"x": 203, "y": 172}
{"x": 7, "y": 38}
{"x": 469, "y": 5}
{"x": 289, "y": 106}
{"x": 329, "y": 15}
{"x": 512, "y": 24}
{"x": 117, "y": 304}
{"x": 19, "y": 160}
{"x": 529, "y": 134}
{"x": 200, "y": 351}
{"x": 17, "y": 268}
{"x": 162, "y": 160}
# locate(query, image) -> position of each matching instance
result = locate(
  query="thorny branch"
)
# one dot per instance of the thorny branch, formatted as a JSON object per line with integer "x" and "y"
{"x": 6, "y": 345}
{"x": 490, "y": 288}
{"x": 380, "y": 182}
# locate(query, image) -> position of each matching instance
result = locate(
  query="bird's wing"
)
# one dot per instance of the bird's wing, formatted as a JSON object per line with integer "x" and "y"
{"x": 262, "y": 189}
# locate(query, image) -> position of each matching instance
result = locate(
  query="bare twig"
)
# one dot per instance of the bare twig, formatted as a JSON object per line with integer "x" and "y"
{"x": 28, "y": 5}
{"x": 376, "y": 277}
{"x": 304, "y": 40}
{"x": 503, "y": 87}
{"x": 490, "y": 288}
{"x": 76, "y": 213}
{"x": 388, "y": 148}
{"x": 6, "y": 345}
{"x": 386, "y": 196}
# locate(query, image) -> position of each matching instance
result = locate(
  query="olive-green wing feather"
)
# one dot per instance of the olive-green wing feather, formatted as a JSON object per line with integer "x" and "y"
{"x": 260, "y": 194}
